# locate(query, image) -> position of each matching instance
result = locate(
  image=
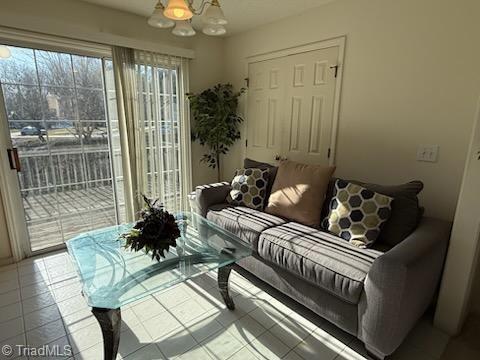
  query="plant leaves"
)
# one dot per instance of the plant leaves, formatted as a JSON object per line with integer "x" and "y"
{"x": 215, "y": 120}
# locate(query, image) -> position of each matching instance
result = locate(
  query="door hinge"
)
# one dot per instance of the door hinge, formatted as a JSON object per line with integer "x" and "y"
{"x": 246, "y": 143}
{"x": 336, "y": 69}
{"x": 247, "y": 82}
{"x": 328, "y": 153}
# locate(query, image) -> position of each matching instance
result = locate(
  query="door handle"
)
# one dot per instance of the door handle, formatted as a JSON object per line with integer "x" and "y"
{"x": 13, "y": 159}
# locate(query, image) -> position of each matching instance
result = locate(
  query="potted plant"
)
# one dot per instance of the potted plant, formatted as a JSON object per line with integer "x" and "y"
{"x": 215, "y": 121}
{"x": 155, "y": 232}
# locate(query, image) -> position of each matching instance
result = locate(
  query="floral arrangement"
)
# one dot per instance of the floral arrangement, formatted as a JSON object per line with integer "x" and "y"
{"x": 155, "y": 232}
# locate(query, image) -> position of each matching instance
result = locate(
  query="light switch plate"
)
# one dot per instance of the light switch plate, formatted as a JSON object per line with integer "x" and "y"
{"x": 427, "y": 153}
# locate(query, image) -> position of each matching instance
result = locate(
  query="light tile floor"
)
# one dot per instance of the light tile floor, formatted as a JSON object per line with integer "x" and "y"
{"x": 40, "y": 303}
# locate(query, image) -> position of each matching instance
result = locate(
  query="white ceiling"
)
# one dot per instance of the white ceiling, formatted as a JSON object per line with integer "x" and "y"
{"x": 242, "y": 15}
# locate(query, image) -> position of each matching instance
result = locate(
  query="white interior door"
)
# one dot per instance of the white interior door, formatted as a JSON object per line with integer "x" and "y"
{"x": 265, "y": 109}
{"x": 292, "y": 105}
{"x": 310, "y": 94}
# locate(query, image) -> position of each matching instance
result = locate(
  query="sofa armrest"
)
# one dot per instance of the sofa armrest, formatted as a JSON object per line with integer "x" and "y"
{"x": 211, "y": 194}
{"x": 401, "y": 284}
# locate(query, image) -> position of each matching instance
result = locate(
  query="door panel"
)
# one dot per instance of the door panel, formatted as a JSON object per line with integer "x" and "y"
{"x": 291, "y": 107}
{"x": 265, "y": 109}
{"x": 310, "y": 91}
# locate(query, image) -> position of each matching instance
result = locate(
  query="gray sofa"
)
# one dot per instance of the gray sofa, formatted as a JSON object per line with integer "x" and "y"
{"x": 375, "y": 294}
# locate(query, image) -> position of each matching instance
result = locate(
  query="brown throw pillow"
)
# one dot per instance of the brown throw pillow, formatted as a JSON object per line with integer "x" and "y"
{"x": 299, "y": 191}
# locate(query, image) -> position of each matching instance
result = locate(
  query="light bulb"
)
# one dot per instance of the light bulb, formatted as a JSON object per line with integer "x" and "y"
{"x": 178, "y": 13}
{"x": 178, "y": 10}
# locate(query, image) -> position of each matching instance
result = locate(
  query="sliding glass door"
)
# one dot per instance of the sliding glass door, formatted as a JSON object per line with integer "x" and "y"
{"x": 62, "y": 121}
{"x": 160, "y": 129}
{"x": 68, "y": 144}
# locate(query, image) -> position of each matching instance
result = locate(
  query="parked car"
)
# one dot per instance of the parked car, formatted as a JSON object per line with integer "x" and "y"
{"x": 32, "y": 130}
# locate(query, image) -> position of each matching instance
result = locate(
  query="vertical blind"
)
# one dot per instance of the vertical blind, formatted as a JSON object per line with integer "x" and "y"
{"x": 161, "y": 158}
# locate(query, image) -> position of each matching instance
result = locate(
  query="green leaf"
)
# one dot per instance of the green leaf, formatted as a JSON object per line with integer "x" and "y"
{"x": 215, "y": 122}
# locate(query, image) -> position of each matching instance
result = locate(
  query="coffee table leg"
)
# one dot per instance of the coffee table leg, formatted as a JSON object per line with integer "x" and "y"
{"x": 223, "y": 275}
{"x": 110, "y": 321}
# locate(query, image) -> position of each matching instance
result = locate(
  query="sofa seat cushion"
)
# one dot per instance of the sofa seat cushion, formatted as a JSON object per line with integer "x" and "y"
{"x": 318, "y": 257}
{"x": 242, "y": 221}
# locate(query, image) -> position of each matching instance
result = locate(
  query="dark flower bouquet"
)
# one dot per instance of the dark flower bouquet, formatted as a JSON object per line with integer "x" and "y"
{"x": 155, "y": 232}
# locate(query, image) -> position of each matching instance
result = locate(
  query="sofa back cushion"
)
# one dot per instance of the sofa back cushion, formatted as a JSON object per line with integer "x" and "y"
{"x": 253, "y": 164}
{"x": 299, "y": 191}
{"x": 405, "y": 214}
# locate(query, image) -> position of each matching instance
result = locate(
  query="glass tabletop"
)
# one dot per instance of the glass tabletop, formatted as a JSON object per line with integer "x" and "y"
{"x": 113, "y": 276}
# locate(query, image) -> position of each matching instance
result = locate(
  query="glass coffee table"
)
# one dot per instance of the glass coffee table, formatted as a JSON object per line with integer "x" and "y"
{"x": 113, "y": 276}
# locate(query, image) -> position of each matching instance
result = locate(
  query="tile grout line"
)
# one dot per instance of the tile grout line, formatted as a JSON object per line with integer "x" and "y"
{"x": 51, "y": 292}
{"x": 23, "y": 313}
{"x": 194, "y": 295}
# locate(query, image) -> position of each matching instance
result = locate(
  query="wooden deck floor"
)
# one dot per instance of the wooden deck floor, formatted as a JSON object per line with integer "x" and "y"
{"x": 56, "y": 217}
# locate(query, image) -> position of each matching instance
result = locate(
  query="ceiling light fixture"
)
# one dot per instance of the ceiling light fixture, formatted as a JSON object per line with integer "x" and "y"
{"x": 158, "y": 19}
{"x": 183, "y": 28}
{"x": 180, "y": 13}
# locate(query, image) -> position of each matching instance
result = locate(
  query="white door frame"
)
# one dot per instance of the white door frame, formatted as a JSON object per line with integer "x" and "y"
{"x": 10, "y": 191}
{"x": 339, "y": 42}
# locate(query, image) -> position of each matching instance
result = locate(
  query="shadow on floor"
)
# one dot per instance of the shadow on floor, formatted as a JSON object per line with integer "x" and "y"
{"x": 465, "y": 345}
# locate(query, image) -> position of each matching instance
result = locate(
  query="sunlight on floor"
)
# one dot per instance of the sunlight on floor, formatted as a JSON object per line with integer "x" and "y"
{"x": 41, "y": 303}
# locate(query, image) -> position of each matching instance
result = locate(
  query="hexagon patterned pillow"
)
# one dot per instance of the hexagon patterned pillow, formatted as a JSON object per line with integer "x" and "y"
{"x": 357, "y": 214}
{"x": 249, "y": 188}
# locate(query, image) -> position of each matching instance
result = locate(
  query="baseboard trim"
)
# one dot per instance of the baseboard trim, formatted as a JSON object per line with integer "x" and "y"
{"x": 6, "y": 261}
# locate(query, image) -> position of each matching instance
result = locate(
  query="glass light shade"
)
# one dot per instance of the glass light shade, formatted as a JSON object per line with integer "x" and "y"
{"x": 214, "y": 30}
{"x": 5, "y": 52}
{"x": 183, "y": 28}
{"x": 178, "y": 10}
{"x": 157, "y": 19}
{"x": 214, "y": 14}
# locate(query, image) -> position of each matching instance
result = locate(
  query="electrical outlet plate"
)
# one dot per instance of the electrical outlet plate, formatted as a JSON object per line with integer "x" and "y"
{"x": 427, "y": 153}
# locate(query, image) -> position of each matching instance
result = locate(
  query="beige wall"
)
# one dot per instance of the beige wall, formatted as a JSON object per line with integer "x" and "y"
{"x": 204, "y": 73}
{"x": 411, "y": 76}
